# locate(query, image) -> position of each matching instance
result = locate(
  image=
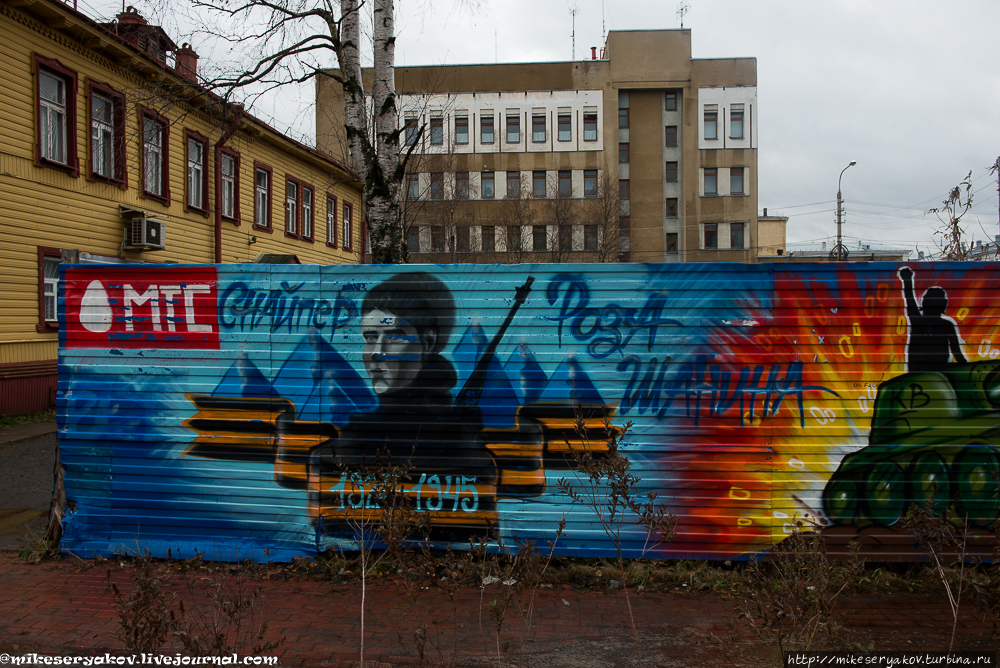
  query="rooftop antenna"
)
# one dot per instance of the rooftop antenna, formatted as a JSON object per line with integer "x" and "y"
{"x": 682, "y": 9}
{"x": 604, "y": 33}
{"x": 573, "y": 10}
{"x": 496, "y": 51}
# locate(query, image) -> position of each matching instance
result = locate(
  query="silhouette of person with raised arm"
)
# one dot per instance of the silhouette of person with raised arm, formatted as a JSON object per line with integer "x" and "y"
{"x": 933, "y": 337}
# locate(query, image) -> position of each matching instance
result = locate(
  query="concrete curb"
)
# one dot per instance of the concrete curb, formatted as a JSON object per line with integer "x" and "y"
{"x": 26, "y": 432}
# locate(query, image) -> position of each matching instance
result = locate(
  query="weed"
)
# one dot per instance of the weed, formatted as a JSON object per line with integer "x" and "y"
{"x": 145, "y": 614}
{"x": 609, "y": 489}
{"x": 939, "y": 536}
{"x": 793, "y": 593}
{"x": 234, "y": 621}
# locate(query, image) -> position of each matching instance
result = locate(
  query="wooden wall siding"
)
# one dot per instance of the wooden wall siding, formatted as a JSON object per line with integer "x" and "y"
{"x": 761, "y": 398}
{"x": 32, "y": 394}
{"x": 49, "y": 207}
{"x": 17, "y": 351}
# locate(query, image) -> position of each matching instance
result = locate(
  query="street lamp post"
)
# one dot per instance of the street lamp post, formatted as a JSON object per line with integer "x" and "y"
{"x": 840, "y": 252}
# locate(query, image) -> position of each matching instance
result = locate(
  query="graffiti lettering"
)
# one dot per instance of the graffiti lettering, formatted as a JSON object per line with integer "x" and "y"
{"x": 433, "y": 493}
{"x": 244, "y": 307}
{"x": 608, "y": 329}
{"x": 917, "y": 397}
{"x": 655, "y": 393}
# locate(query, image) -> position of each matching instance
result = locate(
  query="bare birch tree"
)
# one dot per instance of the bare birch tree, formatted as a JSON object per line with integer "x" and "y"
{"x": 292, "y": 38}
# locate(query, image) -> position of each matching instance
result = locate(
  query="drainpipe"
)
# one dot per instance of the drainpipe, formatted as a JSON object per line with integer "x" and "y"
{"x": 226, "y": 136}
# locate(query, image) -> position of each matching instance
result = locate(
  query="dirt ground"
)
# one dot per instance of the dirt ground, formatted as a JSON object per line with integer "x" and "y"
{"x": 64, "y": 607}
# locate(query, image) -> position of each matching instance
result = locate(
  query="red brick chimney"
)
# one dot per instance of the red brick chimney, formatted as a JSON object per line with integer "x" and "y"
{"x": 131, "y": 15}
{"x": 187, "y": 63}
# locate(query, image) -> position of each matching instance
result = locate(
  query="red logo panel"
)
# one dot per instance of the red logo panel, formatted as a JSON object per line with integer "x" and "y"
{"x": 141, "y": 308}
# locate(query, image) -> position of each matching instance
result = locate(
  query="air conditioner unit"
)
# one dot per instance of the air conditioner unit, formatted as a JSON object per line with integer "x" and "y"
{"x": 145, "y": 234}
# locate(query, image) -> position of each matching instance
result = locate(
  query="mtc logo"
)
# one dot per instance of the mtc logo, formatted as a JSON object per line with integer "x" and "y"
{"x": 141, "y": 308}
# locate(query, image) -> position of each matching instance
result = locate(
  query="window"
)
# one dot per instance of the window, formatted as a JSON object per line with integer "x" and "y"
{"x": 307, "y": 213}
{"x": 565, "y": 183}
{"x": 623, "y": 118}
{"x": 437, "y": 131}
{"x": 590, "y": 183}
{"x": 197, "y": 174}
{"x": 52, "y": 100}
{"x": 291, "y": 208}
{"x": 711, "y": 235}
{"x": 711, "y": 122}
{"x": 565, "y": 127}
{"x": 623, "y": 189}
{"x": 736, "y": 181}
{"x": 413, "y": 240}
{"x": 736, "y": 235}
{"x": 437, "y": 238}
{"x": 412, "y": 186}
{"x": 671, "y": 242}
{"x": 331, "y": 221}
{"x": 671, "y": 101}
{"x": 348, "y": 226}
{"x": 671, "y": 135}
{"x": 411, "y": 131}
{"x": 538, "y": 184}
{"x": 537, "y": 128}
{"x": 622, "y": 152}
{"x": 107, "y": 133}
{"x": 671, "y": 171}
{"x": 462, "y": 185}
{"x": 736, "y": 121}
{"x": 437, "y": 185}
{"x": 515, "y": 242}
{"x": 538, "y": 238}
{"x": 262, "y": 196}
{"x": 487, "y": 185}
{"x": 711, "y": 181}
{"x": 155, "y": 156}
{"x": 566, "y": 238}
{"x": 48, "y": 288}
{"x": 461, "y": 239}
{"x": 671, "y": 207}
{"x": 55, "y": 142}
{"x": 513, "y": 185}
{"x": 590, "y": 237}
{"x": 461, "y": 129}
{"x": 513, "y": 129}
{"x": 229, "y": 183}
{"x": 489, "y": 239}
{"x": 486, "y": 129}
{"x": 590, "y": 127}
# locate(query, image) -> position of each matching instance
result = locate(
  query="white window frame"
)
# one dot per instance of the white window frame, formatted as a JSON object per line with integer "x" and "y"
{"x": 307, "y": 206}
{"x": 348, "y": 226}
{"x": 261, "y": 198}
{"x": 291, "y": 207}
{"x": 54, "y": 120}
{"x": 228, "y": 185}
{"x": 51, "y": 288}
{"x": 195, "y": 173}
{"x": 331, "y": 220}
{"x": 102, "y": 136}
{"x": 152, "y": 173}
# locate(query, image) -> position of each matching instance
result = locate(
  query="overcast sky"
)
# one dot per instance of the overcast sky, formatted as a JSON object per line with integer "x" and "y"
{"x": 909, "y": 89}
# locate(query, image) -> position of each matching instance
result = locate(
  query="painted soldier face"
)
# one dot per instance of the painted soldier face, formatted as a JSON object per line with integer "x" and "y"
{"x": 394, "y": 352}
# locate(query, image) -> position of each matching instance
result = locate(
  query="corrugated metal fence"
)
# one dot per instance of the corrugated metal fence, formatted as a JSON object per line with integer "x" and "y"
{"x": 230, "y": 409}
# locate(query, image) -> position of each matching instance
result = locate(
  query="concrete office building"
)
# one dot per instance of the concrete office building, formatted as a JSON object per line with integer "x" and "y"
{"x": 641, "y": 153}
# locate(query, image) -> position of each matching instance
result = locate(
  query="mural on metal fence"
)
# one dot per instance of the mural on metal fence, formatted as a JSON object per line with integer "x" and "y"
{"x": 234, "y": 409}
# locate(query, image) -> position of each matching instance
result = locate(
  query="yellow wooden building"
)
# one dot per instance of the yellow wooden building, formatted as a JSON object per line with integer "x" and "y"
{"x": 109, "y": 153}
